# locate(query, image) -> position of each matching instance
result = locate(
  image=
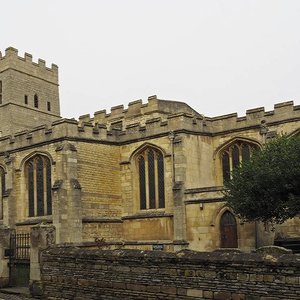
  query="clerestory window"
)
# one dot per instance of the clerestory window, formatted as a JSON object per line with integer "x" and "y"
{"x": 233, "y": 155}
{"x": 38, "y": 174}
{"x": 151, "y": 179}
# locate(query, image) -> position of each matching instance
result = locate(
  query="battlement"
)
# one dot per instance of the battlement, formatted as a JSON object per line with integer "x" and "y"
{"x": 282, "y": 112}
{"x": 87, "y": 129}
{"x": 75, "y": 130}
{"x": 139, "y": 114}
{"x": 25, "y": 64}
{"x": 138, "y": 111}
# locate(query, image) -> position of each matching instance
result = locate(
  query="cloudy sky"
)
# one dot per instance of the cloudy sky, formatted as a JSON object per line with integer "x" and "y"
{"x": 219, "y": 56}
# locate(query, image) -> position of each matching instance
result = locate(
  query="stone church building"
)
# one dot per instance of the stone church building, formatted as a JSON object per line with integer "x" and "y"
{"x": 147, "y": 176}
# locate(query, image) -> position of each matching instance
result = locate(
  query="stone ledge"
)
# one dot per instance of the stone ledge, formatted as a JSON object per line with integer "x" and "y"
{"x": 147, "y": 215}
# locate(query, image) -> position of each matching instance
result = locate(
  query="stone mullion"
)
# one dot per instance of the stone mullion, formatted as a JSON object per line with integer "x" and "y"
{"x": 230, "y": 161}
{"x": 240, "y": 147}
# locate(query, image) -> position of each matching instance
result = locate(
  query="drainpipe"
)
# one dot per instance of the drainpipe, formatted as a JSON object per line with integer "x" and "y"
{"x": 263, "y": 132}
{"x": 171, "y": 138}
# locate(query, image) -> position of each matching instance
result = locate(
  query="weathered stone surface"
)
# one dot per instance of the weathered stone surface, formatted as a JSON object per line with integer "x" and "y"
{"x": 222, "y": 295}
{"x": 137, "y": 274}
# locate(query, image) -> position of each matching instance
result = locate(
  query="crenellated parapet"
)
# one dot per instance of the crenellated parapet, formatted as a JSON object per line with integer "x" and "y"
{"x": 173, "y": 115}
{"x": 94, "y": 132}
{"x": 138, "y": 112}
{"x": 155, "y": 125}
{"x": 25, "y": 64}
{"x": 283, "y": 112}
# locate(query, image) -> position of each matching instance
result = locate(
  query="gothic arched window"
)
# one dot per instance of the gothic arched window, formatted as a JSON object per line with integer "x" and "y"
{"x": 233, "y": 155}
{"x": 151, "y": 179}
{"x": 38, "y": 174}
{"x": 2, "y": 190}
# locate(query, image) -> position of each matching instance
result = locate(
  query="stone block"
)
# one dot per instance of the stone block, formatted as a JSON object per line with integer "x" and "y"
{"x": 136, "y": 287}
{"x": 181, "y": 292}
{"x": 269, "y": 278}
{"x": 153, "y": 288}
{"x": 235, "y": 296}
{"x": 292, "y": 280}
{"x": 222, "y": 295}
{"x": 119, "y": 285}
{"x": 252, "y": 297}
{"x": 208, "y": 294}
{"x": 170, "y": 290}
{"x": 194, "y": 293}
{"x": 243, "y": 276}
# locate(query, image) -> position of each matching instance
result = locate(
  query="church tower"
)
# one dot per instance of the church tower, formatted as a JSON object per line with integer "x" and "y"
{"x": 29, "y": 94}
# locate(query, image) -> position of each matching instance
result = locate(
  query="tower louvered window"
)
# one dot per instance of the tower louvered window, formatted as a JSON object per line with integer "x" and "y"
{"x": 151, "y": 179}
{"x": 38, "y": 171}
{"x": 233, "y": 155}
{"x": 2, "y": 190}
{"x": 36, "y": 101}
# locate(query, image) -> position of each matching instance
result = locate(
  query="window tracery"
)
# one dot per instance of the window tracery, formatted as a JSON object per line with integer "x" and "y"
{"x": 151, "y": 179}
{"x": 233, "y": 155}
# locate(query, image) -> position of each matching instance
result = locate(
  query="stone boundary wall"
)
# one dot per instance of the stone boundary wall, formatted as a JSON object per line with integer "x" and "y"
{"x": 74, "y": 273}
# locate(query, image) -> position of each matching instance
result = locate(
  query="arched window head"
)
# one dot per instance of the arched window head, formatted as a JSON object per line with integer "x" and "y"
{"x": 233, "y": 155}
{"x": 151, "y": 179}
{"x": 2, "y": 190}
{"x": 36, "y": 101}
{"x": 38, "y": 175}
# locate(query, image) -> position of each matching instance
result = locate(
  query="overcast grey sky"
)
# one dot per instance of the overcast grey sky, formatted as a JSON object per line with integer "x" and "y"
{"x": 219, "y": 56}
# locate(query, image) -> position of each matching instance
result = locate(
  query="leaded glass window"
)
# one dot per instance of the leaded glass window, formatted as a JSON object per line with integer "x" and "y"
{"x": 38, "y": 174}
{"x": 161, "y": 180}
{"x": 30, "y": 189}
{"x": 226, "y": 166}
{"x": 246, "y": 152}
{"x": 142, "y": 182}
{"x": 2, "y": 190}
{"x": 48, "y": 185}
{"x": 151, "y": 179}
{"x": 233, "y": 155}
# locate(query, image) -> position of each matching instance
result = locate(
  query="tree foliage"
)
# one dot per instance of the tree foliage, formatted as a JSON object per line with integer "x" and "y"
{"x": 267, "y": 187}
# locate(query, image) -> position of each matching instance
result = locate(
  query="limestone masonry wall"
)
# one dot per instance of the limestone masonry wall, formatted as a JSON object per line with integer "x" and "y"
{"x": 72, "y": 273}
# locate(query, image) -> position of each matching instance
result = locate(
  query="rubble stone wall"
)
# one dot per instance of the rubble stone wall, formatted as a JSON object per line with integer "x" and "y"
{"x": 74, "y": 273}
